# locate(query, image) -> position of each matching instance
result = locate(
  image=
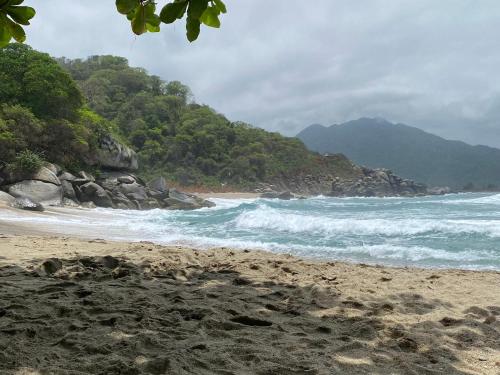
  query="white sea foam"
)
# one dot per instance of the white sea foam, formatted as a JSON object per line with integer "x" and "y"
{"x": 272, "y": 219}
{"x": 397, "y": 231}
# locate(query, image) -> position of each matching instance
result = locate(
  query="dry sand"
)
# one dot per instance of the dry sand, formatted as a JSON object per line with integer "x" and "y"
{"x": 76, "y": 306}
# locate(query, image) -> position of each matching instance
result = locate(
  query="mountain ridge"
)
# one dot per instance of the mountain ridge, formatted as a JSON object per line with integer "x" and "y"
{"x": 409, "y": 151}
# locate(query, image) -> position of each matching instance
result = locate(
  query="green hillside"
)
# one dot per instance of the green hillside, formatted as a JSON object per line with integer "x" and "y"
{"x": 409, "y": 152}
{"x": 60, "y": 109}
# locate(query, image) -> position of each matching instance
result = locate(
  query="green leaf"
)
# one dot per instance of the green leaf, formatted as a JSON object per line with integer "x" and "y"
{"x": 5, "y": 35}
{"x": 219, "y": 4}
{"x": 196, "y": 8}
{"x": 152, "y": 28}
{"x": 126, "y": 6}
{"x": 21, "y": 14}
{"x": 193, "y": 29}
{"x": 139, "y": 21}
{"x": 16, "y": 31}
{"x": 194, "y": 12}
{"x": 15, "y": 2}
{"x": 210, "y": 17}
{"x": 173, "y": 11}
{"x": 153, "y": 20}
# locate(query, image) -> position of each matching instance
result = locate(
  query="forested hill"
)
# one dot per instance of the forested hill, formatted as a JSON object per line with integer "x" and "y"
{"x": 60, "y": 109}
{"x": 188, "y": 142}
{"x": 409, "y": 152}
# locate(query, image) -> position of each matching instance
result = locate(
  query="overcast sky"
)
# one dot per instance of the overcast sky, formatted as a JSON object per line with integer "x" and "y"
{"x": 285, "y": 64}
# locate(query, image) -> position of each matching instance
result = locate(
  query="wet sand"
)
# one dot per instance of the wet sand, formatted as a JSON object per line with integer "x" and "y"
{"x": 90, "y": 306}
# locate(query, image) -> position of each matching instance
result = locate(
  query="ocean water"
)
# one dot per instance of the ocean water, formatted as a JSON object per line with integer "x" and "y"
{"x": 458, "y": 231}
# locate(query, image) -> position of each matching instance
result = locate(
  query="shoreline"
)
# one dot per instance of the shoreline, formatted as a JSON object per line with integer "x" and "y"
{"x": 75, "y": 231}
{"x": 271, "y": 313}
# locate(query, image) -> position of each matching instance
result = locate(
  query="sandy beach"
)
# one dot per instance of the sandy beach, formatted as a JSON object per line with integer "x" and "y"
{"x": 91, "y": 306}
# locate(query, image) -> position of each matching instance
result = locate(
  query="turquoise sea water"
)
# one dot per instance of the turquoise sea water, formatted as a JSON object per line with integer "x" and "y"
{"x": 459, "y": 231}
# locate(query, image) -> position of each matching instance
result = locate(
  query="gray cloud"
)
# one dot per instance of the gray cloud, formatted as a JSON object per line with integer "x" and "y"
{"x": 283, "y": 65}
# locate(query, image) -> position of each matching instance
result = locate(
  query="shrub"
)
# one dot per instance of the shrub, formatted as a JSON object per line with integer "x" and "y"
{"x": 27, "y": 162}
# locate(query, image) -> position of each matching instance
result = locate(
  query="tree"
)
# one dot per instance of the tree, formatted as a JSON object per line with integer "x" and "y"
{"x": 142, "y": 15}
{"x": 36, "y": 81}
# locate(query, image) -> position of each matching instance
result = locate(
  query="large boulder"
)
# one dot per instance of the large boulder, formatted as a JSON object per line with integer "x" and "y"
{"x": 134, "y": 191}
{"x": 112, "y": 154}
{"x": 183, "y": 201}
{"x": 27, "y": 204}
{"x": 54, "y": 168}
{"x": 66, "y": 176}
{"x": 68, "y": 190}
{"x": 95, "y": 193}
{"x": 45, "y": 193}
{"x": 6, "y": 198}
{"x": 46, "y": 175}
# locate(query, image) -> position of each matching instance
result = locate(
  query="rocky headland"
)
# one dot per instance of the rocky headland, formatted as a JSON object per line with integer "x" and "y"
{"x": 115, "y": 186}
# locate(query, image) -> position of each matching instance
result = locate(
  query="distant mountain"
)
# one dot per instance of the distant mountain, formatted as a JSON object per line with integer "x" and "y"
{"x": 409, "y": 152}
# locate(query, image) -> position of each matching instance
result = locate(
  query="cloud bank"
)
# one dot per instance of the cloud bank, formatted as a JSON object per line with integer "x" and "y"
{"x": 283, "y": 65}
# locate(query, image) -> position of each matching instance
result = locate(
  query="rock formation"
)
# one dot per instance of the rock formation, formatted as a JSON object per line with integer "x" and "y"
{"x": 376, "y": 183}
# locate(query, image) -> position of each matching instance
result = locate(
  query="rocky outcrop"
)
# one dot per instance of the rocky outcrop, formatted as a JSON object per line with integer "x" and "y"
{"x": 45, "y": 193}
{"x": 376, "y": 183}
{"x": 113, "y": 155}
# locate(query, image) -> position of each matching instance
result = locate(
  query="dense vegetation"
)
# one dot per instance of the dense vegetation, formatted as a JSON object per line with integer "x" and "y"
{"x": 42, "y": 110}
{"x": 190, "y": 143}
{"x": 60, "y": 109}
{"x": 410, "y": 153}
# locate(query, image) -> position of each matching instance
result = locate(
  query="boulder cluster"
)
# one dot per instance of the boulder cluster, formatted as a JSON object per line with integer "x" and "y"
{"x": 52, "y": 186}
{"x": 376, "y": 183}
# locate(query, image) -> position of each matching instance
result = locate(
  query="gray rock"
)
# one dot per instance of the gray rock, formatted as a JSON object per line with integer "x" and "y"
{"x": 114, "y": 155}
{"x": 158, "y": 184}
{"x": 66, "y": 176}
{"x": 95, "y": 193}
{"x": 88, "y": 205}
{"x": 46, "y": 175}
{"x": 286, "y": 195}
{"x": 126, "y": 179}
{"x": 183, "y": 201}
{"x": 86, "y": 176}
{"x": 54, "y": 168}
{"x": 38, "y": 191}
{"x": 70, "y": 203}
{"x": 68, "y": 191}
{"x": 134, "y": 191}
{"x": 6, "y": 198}
{"x": 27, "y": 204}
{"x": 158, "y": 194}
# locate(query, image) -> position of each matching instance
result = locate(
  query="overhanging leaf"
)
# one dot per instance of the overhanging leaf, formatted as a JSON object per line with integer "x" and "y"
{"x": 219, "y": 4}
{"x": 16, "y": 31}
{"x": 21, "y": 14}
{"x": 5, "y": 35}
{"x": 126, "y": 6}
{"x": 173, "y": 11}
{"x": 210, "y": 17}
{"x": 139, "y": 21}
